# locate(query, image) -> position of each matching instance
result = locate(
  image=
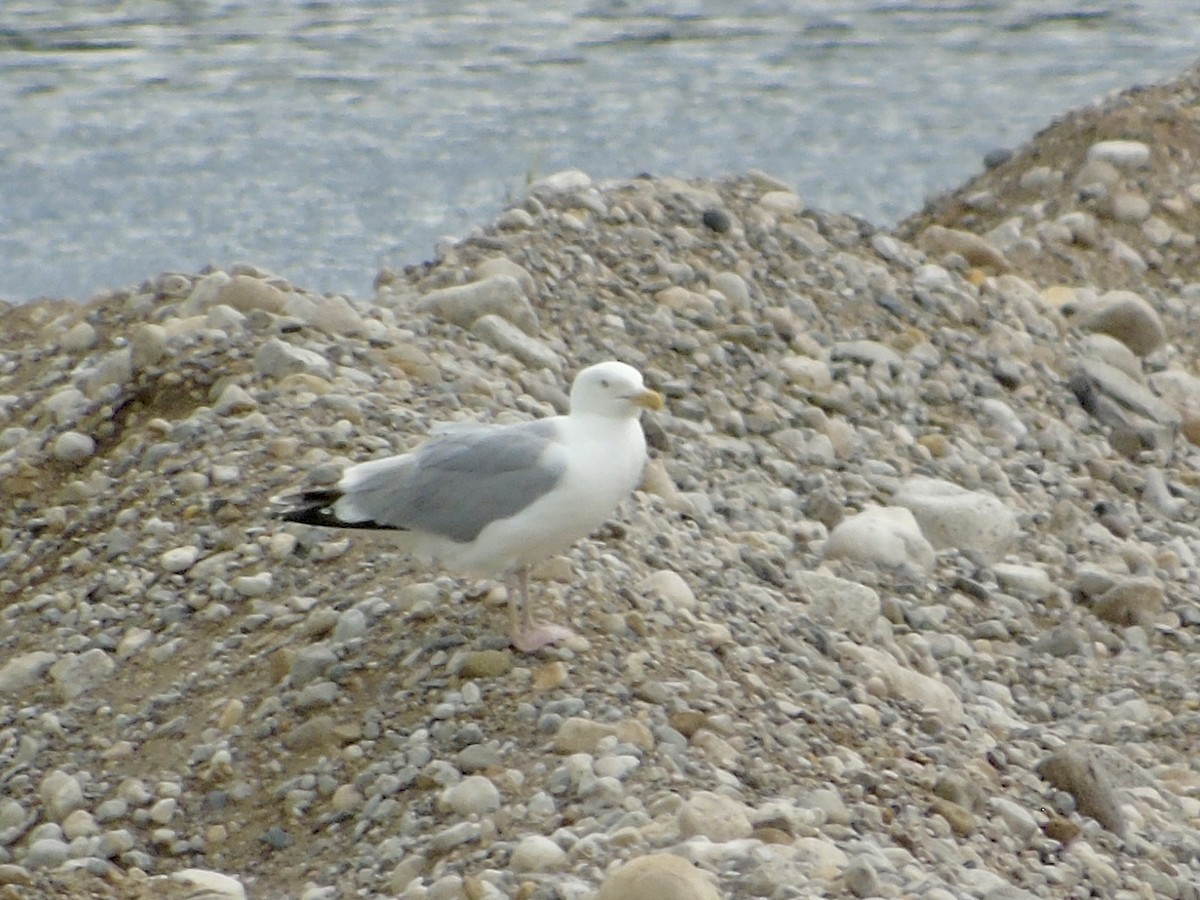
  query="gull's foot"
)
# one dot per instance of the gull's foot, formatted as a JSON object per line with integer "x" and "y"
{"x": 539, "y": 635}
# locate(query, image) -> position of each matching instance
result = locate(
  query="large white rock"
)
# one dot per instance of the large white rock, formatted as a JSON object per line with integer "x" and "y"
{"x": 846, "y": 605}
{"x": 659, "y": 876}
{"x": 1122, "y": 154}
{"x": 886, "y": 535}
{"x": 715, "y": 816}
{"x": 952, "y": 516}
{"x": 904, "y": 683}
{"x": 475, "y": 795}
{"x": 499, "y": 295}
{"x": 25, "y": 670}
{"x": 537, "y": 853}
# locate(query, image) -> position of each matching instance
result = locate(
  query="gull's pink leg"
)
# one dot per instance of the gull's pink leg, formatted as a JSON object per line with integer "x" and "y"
{"x": 525, "y": 634}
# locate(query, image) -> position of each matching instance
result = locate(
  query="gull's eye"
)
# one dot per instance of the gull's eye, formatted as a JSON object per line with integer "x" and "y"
{"x": 604, "y": 383}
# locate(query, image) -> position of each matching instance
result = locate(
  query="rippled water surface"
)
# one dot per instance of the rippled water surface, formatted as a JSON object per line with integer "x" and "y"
{"x": 323, "y": 140}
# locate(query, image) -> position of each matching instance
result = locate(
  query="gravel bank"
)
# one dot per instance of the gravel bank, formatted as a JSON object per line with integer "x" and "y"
{"x": 908, "y": 605}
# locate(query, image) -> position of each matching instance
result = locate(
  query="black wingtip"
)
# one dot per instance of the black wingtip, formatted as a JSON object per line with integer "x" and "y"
{"x": 316, "y": 508}
{"x": 308, "y": 507}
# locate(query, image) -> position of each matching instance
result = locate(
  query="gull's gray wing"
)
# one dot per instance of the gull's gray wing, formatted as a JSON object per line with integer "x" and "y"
{"x": 457, "y": 482}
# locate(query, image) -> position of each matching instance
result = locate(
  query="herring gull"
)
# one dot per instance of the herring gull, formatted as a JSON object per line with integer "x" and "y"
{"x": 487, "y": 500}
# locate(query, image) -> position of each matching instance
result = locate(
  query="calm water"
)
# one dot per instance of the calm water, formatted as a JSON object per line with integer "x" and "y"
{"x": 323, "y": 140}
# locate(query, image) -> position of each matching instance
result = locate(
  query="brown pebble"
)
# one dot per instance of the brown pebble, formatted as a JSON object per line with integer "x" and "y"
{"x": 688, "y": 722}
{"x": 487, "y": 664}
{"x": 769, "y": 835}
{"x": 549, "y": 676}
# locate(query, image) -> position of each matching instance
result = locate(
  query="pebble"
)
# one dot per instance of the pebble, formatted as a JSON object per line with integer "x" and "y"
{"x": 79, "y": 337}
{"x": 234, "y": 401}
{"x": 147, "y": 345}
{"x": 25, "y": 670}
{"x": 247, "y": 294}
{"x": 1126, "y": 155}
{"x": 498, "y": 295}
{"x": 502, "y": 265}
{"x": 846, "y": 605}
{"x": 669, "y": 589}
{"x": 1126, "y": 316}
{"x": 714, "y": 816}
{"x": 884, "y": 536}
{"x": 971, "y": 247}
{"x": 506, "y": 337}
{"x": 254, "y": 585}
{"x": 74, "y": 674}
{"x": 475, "y": 795}
{"x": 46, "y": 853}
{"x": 179, "y": 559}
{"x": 659, "y": 876}
{"x": 73, "y": 447}
{"x": 952, "y": 516}
{"x": 279, "y": 359}
{"x": 61, "y": 793}
{"x": 210, "y": 885}
{"x": 66, "y": 405}
{"x": 537, "y": 853}
{"x": 1084, "y": 775}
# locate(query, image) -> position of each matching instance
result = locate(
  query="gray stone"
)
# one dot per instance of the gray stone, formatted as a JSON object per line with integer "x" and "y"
{"x": 278, "y": 359}
{"x": 951, "y": 516}
{"x": 1130, "y": 394}
{"x": 463, "y": 305}
{"x": 845, "y": 605}
{"x": 351, "y": 624}
{"x": 506, "y": 337}
{"x": 79, "y": 337}
{"x": 1085, "y": 776}
{"x": 147, "y": 345}
{"x": 73, "y": 447}
{"x": 475, "y": 795}
{"x": 537, "y": 853}
{"x": 659, "y": 876}
{"x": 937, "y": 239}
{"x": 66, "y": 405}
{"x": 234, "y": 400}
{"x": 885, "y": 536}
{"x": 254, "y": 585}
{"x": 114, "y": 368}
{"x": 311, "y": 662}
{"x": 25, "y": 670}
{"x": 1127, "y": 317}
{"x": 714, "y": 816}
{"x": 502, "y": 265}
{"x": 1127, "y": 155}
{"x": 179, "y": 559}
{"x": 61, "y": 794}
{"x": 77, "y": 673}
{"x": 46, "y": 853}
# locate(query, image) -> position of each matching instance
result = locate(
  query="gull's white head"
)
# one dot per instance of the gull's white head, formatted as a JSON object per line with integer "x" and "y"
{"x": 612, "y": 389}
